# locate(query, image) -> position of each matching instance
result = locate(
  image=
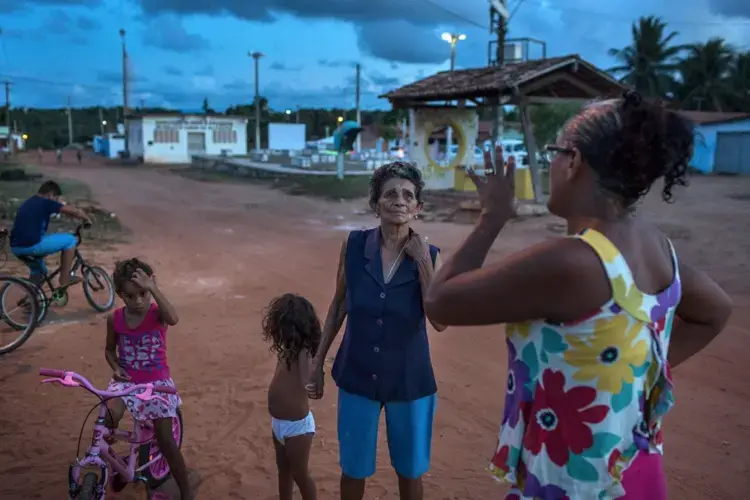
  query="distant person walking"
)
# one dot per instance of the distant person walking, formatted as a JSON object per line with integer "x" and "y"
{"x": 40, "y": 155}
{"x": 59, "y": 155}
{"x": 79, "y": 156}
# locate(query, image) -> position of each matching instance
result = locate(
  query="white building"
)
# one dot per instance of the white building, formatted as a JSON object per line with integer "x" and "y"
{"x": 175, "y": 137}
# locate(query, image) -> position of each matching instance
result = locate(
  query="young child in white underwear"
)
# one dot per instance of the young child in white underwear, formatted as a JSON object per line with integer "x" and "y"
{"x": 293, "y": 328}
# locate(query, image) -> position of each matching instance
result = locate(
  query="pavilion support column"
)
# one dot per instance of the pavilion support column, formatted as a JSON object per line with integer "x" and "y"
{"x": 497, "y": 124}
{"x": 531, "y": 148}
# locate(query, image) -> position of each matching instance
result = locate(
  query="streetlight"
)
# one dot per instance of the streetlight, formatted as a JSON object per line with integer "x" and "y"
{"x": 104, "y": 122}
{"x": 124, "y": 87}
{"x": 256, "y": 57}
{"x": 453, "y": 39}
{"x": 340, "y": 119}
{"x": 288, "y": 114}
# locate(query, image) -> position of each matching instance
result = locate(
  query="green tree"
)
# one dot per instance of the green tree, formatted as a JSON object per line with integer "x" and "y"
{"x": 548, "y": 119}
{"x": 705, "y": 76}
{"x": 649, "y": 62}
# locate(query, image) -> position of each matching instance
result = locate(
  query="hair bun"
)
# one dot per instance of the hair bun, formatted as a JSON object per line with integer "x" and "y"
{"x": 632, "y": 98}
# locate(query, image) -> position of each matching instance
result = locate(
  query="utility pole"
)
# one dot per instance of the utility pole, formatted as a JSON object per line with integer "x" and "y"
{"x": 101, "y": 121}
{"x": 7, "y": 117}
{"x": 256, "y": 57}
{"x": 124, "y": 90}
{"x": 297, "y": 117}
{"x": 359, "y": 117}
{"x": 70, "y": 123}
{"x": 498, "y": 25}
{"x": 453, "y": 39}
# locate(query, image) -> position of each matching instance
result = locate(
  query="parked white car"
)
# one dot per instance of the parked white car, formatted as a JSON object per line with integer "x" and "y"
{"x": 478, "y": 156}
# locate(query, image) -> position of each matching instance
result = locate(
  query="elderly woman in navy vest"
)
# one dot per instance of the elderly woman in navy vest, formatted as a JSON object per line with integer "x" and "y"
{"x": 384, "y": 358}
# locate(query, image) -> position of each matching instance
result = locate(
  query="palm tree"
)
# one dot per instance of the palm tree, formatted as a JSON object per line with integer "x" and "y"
{"x": 705, "y": 74}
{"x": 648, "y": 63}
{"x": 739, "y": 82}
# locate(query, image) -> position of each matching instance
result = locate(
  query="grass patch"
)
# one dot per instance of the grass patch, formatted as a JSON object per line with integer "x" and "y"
{"x": 328, "y": 187}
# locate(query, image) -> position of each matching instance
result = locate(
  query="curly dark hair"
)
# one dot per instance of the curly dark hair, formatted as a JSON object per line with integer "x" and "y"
{"x": 398, "y": 169}
{"x": 124, "y": 270}
{"x": 630, "y": 143}
{"x": 292, "y": 326}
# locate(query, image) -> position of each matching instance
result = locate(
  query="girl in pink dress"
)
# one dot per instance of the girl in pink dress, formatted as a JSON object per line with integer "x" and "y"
{"x": 137, "y": 353}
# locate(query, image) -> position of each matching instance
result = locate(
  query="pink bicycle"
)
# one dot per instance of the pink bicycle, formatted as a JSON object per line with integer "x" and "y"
{"x": 144, "y": 463}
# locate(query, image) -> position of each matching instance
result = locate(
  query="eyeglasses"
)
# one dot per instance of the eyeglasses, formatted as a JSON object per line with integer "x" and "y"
{"x": 554, "y": 150}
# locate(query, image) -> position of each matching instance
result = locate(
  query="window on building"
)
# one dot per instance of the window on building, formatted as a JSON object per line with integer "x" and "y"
{"x": 224, "y": 136}
{"x": 166, "y": 136}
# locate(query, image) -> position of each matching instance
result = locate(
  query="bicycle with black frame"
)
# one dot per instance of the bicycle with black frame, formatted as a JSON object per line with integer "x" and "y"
{"x": 94, "y": 280}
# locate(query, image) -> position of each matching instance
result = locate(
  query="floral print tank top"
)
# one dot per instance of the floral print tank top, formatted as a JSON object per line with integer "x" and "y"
{"x": 584, "y": 398}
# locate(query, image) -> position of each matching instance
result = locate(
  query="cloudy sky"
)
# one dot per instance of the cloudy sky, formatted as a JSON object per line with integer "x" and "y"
{"x": 184, "y": 50}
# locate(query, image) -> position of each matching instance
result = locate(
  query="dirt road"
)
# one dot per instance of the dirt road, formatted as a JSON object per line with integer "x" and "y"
{"x": 222, "y": 251}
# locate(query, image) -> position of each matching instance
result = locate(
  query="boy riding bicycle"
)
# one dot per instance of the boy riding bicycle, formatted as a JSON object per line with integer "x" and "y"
{"x": 29, "y": 237}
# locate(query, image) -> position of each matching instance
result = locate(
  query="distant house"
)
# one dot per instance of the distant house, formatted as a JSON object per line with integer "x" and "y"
{"x": 176, "y": 137}
{"x": 722, "y": 142}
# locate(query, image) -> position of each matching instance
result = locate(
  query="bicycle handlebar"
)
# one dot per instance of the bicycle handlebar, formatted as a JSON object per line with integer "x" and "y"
{"x": 72, "y": 379}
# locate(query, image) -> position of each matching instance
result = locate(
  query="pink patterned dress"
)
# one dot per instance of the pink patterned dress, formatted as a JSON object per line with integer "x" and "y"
{"x": 142, "y": 353}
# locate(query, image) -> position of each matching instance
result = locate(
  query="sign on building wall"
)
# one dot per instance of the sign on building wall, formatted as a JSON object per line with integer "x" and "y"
{"x": 193, "y": 124}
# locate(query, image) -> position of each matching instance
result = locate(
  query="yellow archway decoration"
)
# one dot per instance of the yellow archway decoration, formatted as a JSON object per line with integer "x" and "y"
{"x": 458, "y": 136}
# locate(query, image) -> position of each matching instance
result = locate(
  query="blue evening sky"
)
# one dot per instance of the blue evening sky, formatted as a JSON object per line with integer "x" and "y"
{"x": 184, "y": 50}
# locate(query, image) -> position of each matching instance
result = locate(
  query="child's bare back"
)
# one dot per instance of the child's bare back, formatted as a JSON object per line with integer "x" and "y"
{"x": 287, "y": 397}
{"x": 293, "y": 329}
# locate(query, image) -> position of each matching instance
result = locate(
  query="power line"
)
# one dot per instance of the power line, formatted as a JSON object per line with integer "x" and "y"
{"x": 455, "y": 14}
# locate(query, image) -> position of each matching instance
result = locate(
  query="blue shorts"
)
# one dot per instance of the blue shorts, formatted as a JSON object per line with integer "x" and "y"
{"x": 409, "y": 429}
{"x": 48, "y": 245}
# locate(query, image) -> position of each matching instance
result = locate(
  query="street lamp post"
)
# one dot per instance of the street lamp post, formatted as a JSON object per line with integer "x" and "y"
{"x": 256, "y": 57}
{"x": 288, "y": 114}
{"x": 124, "y": 89}
{"x": 453, "y": 39}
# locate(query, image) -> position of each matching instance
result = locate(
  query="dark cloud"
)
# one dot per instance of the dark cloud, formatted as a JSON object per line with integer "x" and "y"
{"x": 207, "y": 70}
{"x": 16, "y": 5}
{"x": 173, "y": 70}
{"x": 168, "y": 33}
{"x": 277, "y": 66}
{"x": 381, "y": 25}
{"x": 409, "y": 31}
{"x": 58, "y": 23}
{"x": 86, "y": 23}
{"x": 334, "y": 63}
{"x": 732, "y": 8}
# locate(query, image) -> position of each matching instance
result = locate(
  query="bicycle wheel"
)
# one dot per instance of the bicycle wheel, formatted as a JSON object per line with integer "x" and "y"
{"x": 88, "y": 488}
{"x": 96, "y": 280}
{"x": 27, "y": 305}
{"x": 13, "y": 299}
{"x": 158, "y": 472}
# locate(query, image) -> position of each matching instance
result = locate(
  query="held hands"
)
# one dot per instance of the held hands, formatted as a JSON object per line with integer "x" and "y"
{"x": 316, "y": 381}
{"x": 143, "y": 280}
{"x": 497, "y": 189}
{"x": 416, "y": 247}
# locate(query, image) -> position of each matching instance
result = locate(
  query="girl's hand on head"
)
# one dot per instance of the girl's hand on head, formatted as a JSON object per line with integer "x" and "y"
{"x": 497, "y": 188}
{"x": 143, "y": 280}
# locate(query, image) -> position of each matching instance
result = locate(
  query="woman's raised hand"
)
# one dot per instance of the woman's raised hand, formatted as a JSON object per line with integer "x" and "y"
{"x": 497, "y": 188}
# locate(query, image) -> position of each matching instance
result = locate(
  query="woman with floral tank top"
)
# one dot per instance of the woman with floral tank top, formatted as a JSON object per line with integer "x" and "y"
{"x": 595, "y": 320}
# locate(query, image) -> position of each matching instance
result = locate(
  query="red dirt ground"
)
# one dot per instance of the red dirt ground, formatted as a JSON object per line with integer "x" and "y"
{"x": 221, "y": 251}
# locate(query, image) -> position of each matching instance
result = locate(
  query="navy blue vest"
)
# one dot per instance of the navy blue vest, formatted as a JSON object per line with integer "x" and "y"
{"x": 384, "y": 355}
